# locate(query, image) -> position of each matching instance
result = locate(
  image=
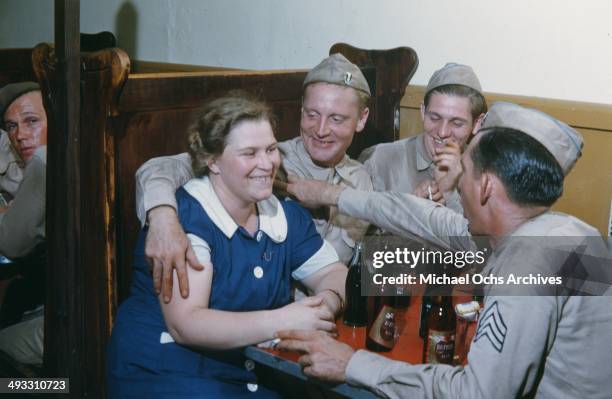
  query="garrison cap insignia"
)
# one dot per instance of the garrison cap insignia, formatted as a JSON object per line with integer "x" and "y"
{"x": 492, "y": 327}
{"x": 347, "y": 78}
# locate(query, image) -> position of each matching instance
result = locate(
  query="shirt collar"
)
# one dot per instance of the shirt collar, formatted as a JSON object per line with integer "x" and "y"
{"x": 344, "y": 168}
{"x": 272, "y": 220}
{"x": 423, "y": 160}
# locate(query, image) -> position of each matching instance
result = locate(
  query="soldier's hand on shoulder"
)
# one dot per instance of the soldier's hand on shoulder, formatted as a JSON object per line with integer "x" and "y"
{"x": 166, "y": 248}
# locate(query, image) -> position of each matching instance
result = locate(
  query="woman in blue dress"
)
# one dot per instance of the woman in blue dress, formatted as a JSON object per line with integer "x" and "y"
{"x": 252, "y": 246}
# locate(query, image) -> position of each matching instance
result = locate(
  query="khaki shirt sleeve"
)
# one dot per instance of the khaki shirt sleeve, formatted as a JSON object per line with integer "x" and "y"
{"x": 11, "y": 173}
{"x": 405, "y": 215}
{"x": 22, "y": 225}
{"x": 367, "y": 158}
{"x": 453, "y": 202}
{"x": 505, "y": 359}
{"x": 157, "y": 181}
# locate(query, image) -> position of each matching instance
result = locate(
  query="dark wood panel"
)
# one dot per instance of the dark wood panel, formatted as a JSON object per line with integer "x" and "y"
{"x": 16, "y": 66}
{"x": 141, "y": 66}
{"x": 148, "y": 92}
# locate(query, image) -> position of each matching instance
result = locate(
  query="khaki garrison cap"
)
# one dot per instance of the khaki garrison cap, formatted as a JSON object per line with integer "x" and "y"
{"x": 13, "y": 91}
{"x": 454, "y": 74}
{"x": 336, "y": 69}
{"x": 563, "y": 142}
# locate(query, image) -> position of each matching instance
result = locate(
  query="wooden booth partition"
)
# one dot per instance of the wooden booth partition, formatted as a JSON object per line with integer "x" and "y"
{"x": 155, "y": 110}
{"x": 80, "y": 307}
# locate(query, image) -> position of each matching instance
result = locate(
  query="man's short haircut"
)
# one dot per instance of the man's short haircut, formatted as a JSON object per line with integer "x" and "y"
{"x": 364, "y": 100}
{"x": 477, "y": 101}
{"x": 529, "y": 172}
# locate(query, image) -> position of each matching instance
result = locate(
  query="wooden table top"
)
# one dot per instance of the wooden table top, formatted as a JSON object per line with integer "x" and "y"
{"x": 408, "y": 348}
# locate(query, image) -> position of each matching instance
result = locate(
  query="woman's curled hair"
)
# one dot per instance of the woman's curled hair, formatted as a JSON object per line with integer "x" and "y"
{"x": 207, "y": 136}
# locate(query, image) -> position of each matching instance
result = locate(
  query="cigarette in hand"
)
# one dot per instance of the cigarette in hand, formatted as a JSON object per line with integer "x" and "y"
{"x": 429, "y": 192}
{"x": 270, "y": 344}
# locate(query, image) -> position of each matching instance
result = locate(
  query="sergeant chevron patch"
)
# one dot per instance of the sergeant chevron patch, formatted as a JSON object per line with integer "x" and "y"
{"x": 492, "y": 327}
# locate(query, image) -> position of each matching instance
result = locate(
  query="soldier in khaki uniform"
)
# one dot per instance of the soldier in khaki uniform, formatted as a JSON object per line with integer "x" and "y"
{"x": 524, "y": 346}
{"x": 22, "y": 223}
{"x": 334, "y": 108}
{"x": 451, "y": 110}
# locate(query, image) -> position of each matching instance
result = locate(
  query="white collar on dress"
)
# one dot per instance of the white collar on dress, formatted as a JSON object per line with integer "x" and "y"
{"x": 272, "y": 220}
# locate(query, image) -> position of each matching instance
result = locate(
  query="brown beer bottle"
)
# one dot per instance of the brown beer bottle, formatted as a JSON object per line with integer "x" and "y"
{"x": 355, "y": 311}
{"x": 380, "y": 334}
{"x": 439, "y": 345}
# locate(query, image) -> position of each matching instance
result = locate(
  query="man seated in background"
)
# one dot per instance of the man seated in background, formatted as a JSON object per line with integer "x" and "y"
{"x": 451, "y": 111}
{"x": 532, "y": 340}
{"x": 334, "y": 108}
{"x": 22, "y": 222}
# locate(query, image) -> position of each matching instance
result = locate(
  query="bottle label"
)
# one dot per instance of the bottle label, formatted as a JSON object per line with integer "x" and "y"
{"x": 383, "y": 329}
{"x": 440, "y": 347}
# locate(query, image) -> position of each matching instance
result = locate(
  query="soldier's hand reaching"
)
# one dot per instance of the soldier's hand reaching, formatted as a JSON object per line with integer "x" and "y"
{"x": 323, "y": 357}
{"x": 313, "y": 193}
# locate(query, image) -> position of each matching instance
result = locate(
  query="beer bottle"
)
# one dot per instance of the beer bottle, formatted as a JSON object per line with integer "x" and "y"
{"x": 425, "y": 307}
{"x": 402, "y": 302}
{"x": 439, "y": 343}
{"x": 402, "y": 299}
{"x": 355, "y": 310}
{"x": 380, "y": 334}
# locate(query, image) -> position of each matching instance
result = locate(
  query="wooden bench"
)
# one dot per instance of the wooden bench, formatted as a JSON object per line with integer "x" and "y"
{"x": 127, "y": 119}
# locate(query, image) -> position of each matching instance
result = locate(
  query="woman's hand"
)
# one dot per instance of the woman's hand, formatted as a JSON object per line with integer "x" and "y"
{"x": 309, "y": 313}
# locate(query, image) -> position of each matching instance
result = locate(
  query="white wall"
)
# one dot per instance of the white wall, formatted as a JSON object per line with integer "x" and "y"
{"x": 545, "y": 48}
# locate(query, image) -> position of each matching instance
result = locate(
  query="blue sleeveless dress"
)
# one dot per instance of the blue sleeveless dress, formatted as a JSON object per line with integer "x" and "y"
{"x": 250, "y": 273}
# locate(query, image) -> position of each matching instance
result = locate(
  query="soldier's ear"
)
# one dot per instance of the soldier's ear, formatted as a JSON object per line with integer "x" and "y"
{"x": 478, "y": 123}
{"x": 486, "y": 187}
{"x": 363, "y": 118}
